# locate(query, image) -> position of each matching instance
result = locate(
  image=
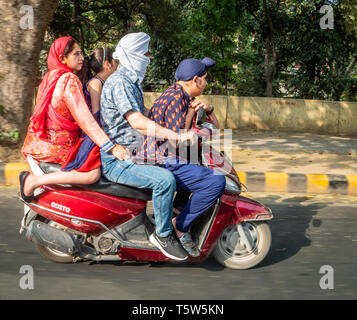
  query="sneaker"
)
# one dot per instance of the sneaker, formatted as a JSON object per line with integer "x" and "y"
{"x": 169, "y": 246}
{"x": 189, "y": 245}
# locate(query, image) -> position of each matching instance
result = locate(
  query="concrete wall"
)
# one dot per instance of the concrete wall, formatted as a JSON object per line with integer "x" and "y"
{"x": 297, "y": 115}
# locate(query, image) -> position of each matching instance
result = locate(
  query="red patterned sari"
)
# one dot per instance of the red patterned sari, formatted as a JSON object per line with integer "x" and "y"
{"x": 60, "y": 108}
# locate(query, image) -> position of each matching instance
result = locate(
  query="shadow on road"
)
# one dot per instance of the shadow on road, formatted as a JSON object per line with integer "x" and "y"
{"x": 210, "y": 264}
{"x": 289, "y": 228}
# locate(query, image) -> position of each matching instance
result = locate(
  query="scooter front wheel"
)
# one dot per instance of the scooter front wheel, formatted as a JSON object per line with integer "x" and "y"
{"x": 236, "y": 250}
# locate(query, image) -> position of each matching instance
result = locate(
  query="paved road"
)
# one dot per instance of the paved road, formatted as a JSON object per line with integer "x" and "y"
{"x": 308, "y": 233}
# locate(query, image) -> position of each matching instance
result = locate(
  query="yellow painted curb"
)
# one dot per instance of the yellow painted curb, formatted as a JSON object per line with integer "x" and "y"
{"x": 352, "y": 184}
{"x": 268, "y": 181}
{"x": 317, "y": 183}
{"x": 242, "y": 177}
{"x": 12, "y": 171}
{"x": 276, "y": 181}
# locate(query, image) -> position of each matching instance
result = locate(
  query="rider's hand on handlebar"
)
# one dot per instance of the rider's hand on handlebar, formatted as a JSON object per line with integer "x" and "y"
{"x": 122, "y": 153}
{"x": 198, "y": 104}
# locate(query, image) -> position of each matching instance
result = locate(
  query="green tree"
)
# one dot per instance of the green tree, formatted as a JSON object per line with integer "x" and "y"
{"x": 211, "y": 30}
{"x": 326, "y": 57}
{"x": 104, "y": 22}
{"x": 300, "y": 58}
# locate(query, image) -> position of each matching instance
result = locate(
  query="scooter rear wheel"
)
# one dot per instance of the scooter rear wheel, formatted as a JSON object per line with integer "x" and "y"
{"x": 231, "y": 252}
{"x": 52, "y": 254}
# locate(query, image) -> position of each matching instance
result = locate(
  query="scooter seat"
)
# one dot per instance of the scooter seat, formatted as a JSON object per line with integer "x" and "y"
{"x": 104, "y": 186}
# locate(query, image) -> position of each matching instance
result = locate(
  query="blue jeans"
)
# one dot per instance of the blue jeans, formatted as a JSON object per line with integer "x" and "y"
{"x": 205, "y": 185}
{"x": 160, "y": 180}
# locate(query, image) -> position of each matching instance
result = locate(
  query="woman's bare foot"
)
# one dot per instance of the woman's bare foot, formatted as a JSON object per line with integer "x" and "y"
{"x": 29, "y": 185}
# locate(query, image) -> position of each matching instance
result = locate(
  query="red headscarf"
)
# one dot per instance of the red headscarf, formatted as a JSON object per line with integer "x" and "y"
{"x": 48, "y": 84}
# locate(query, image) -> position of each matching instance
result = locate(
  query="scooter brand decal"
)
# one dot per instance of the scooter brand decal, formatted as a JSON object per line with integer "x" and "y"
{"x": 60, "y": 207}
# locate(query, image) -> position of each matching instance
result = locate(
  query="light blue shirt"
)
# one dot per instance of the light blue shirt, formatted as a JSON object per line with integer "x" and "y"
{"x": 121, "y": 93}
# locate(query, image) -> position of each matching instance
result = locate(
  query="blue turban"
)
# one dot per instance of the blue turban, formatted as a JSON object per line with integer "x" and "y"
{"x": 189, "y": 68}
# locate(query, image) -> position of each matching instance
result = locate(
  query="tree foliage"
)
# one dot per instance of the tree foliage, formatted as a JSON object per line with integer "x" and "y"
{"x": 262, "y": 47}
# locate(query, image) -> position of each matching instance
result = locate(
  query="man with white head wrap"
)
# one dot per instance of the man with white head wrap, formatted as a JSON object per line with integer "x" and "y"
{"x": 131, "y": 51}
{"x": 122, "y": 118}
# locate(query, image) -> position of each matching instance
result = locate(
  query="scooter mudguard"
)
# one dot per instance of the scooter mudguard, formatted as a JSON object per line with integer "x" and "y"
{"x": 245, "y": 209}
{"x": 251, "y": 210}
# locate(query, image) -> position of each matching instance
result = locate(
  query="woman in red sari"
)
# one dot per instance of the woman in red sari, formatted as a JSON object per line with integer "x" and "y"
{"x": 60, "y": 112}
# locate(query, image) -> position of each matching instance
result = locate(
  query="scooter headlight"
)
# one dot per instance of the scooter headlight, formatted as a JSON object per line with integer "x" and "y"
{"x": 231, "y": 186}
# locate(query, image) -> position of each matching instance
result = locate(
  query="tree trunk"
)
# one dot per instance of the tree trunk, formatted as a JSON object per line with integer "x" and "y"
{"x": 270, "y": 55}
{"x": 77, "y": 21}
{"x": 21, "y": 43}
{"x": 225, "y": 69}
{"x": 269, "y": 69}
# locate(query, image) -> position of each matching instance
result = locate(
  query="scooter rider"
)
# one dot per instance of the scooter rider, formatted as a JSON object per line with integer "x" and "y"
{"x": 170, "y": 111}
{"x": 122, "y": 118}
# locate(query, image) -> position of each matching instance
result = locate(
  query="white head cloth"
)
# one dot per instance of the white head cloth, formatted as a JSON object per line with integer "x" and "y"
{"x": 130, "y": 51}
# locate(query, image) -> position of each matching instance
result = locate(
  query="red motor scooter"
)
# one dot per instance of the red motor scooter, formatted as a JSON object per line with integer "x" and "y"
{"x": 107, "y": 221}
